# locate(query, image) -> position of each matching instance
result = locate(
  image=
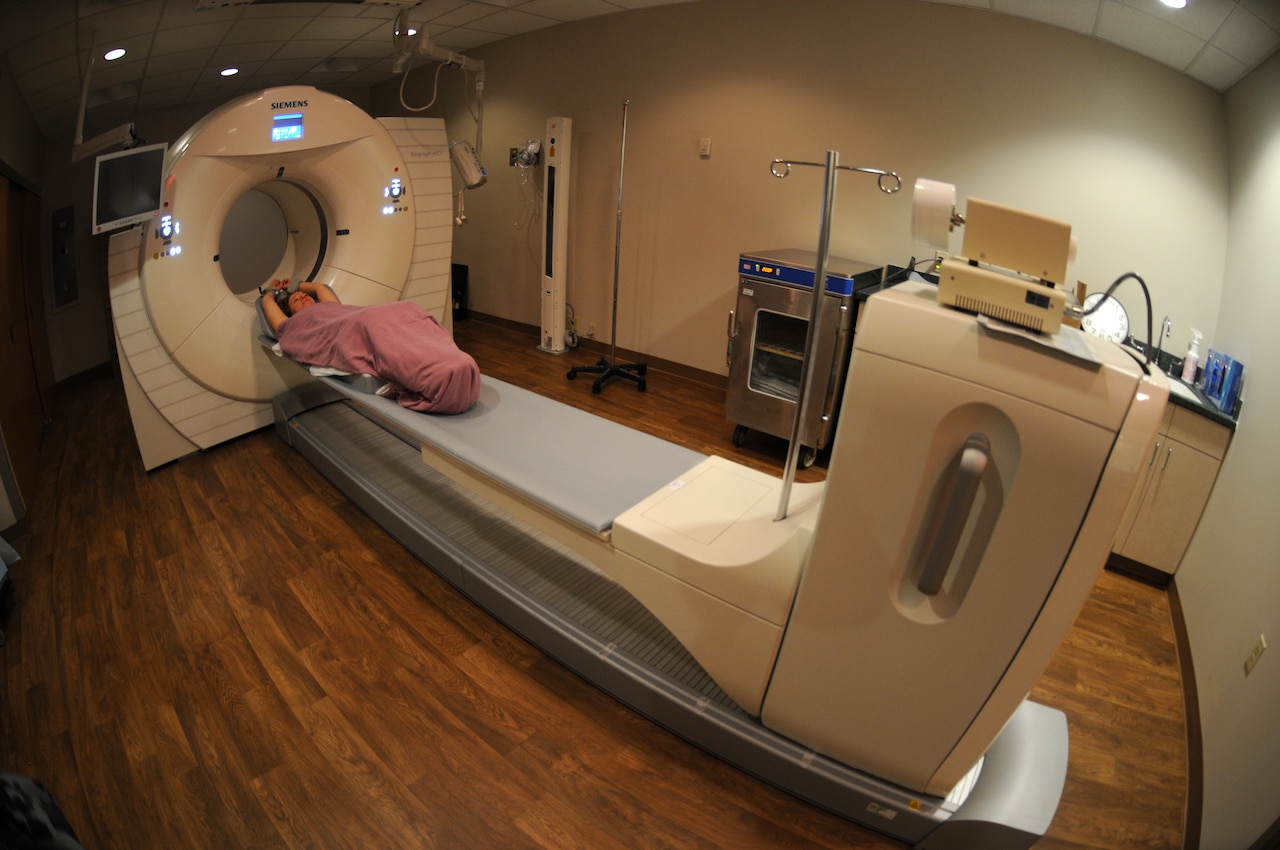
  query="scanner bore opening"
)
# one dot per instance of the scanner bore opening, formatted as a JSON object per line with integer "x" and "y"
{"x": 275, "y": 229}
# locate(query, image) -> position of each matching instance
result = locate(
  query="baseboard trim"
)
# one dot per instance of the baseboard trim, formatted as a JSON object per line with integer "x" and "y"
{"x": 1192, "y": 823}
{"x": 1136, "y": 569}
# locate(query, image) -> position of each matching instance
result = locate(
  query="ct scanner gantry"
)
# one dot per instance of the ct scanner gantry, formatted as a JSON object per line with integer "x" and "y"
{"x": 327, "y": 194}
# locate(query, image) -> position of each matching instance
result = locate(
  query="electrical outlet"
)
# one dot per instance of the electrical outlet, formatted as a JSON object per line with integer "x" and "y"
{"x": 938, "y": 257}
{"x": 591, "y": 330}
{"x": 1258, "y": 649}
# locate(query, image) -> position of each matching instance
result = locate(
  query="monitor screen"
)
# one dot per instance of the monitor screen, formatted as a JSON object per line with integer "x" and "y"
{"x": 128, "y": 187}
{"x": 286, "y": 127}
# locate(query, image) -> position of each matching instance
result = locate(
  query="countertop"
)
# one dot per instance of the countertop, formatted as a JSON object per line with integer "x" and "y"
{"x": 1200, "y": 404}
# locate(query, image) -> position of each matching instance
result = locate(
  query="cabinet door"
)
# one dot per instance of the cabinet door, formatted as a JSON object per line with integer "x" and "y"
{"x": 1139, "y": 493}
{"x": 1171, "y": 507}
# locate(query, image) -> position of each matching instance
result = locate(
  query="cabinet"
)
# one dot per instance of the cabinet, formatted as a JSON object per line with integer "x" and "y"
{"x": 1180, "y": 474}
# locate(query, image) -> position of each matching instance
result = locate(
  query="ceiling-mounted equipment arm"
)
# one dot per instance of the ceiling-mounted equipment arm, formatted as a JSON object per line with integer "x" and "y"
{"x": 408, "y": 46}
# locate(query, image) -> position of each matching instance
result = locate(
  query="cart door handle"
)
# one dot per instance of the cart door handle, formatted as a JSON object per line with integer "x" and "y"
{"x": 963, "y": 491}
{"x": 730, "y": 332}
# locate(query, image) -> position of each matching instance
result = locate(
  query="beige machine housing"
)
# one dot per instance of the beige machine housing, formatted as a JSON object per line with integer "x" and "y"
{"x": 910, "y": 685}
{"x": 365, "y": 206}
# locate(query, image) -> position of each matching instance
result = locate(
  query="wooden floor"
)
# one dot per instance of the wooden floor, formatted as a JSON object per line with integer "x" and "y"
{"x": 225, "y": 653}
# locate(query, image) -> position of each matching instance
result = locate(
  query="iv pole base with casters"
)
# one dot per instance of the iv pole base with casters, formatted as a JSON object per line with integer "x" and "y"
{"x": 608, "y": 367}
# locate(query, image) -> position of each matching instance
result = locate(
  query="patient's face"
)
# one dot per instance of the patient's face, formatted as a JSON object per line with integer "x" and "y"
{"x": 298, "y": 300}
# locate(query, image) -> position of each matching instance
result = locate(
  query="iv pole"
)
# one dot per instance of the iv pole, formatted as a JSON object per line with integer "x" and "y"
{"x": 819, "y": 292}
{"x": 608, "y": 366}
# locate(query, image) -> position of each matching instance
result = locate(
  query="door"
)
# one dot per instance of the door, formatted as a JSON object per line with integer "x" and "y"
{"x": 21, "y": 411}
{"x": 768, "y": 355}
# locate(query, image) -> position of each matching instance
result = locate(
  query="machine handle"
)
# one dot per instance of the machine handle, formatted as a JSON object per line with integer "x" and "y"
{"x": 730, "y": 332}
{"x": 964, "y": 489}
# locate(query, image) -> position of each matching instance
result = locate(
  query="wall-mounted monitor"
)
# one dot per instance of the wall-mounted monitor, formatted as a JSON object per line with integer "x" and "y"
{"x": 128, "y": 187}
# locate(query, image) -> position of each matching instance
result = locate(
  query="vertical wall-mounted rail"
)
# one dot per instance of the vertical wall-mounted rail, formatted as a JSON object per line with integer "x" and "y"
{"x": 781, "y": 168}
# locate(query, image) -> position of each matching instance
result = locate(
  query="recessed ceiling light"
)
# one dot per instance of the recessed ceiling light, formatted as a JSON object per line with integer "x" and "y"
{"x": 229, "y": 72}
{"x": 1175, "y": 4}
{"x": 113, "y": 54}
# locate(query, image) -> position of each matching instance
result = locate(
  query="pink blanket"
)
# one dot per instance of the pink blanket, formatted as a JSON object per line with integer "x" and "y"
{"x": 399, "y": 342}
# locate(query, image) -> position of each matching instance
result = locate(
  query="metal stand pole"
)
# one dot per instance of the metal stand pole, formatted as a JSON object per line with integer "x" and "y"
{"x": 819, "y": 292}
{"x": 608, "y": 367}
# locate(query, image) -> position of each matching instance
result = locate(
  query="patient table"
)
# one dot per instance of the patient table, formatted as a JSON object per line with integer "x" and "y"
{"x": 591, "y": 540}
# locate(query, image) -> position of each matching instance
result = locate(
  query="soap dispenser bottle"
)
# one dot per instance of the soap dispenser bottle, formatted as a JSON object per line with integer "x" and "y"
{"x": 1192, "y": 359}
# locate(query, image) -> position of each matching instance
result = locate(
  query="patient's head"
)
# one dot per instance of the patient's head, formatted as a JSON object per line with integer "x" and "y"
{"x": 292, "y": 302}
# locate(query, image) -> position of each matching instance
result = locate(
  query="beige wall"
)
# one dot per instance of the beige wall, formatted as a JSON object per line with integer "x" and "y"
{"x": 1229, "y": 582}
{"x": 1130, "y": 152}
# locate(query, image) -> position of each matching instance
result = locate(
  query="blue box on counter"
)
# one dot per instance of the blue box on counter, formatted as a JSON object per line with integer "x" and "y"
{"x": 1223, "y": 379}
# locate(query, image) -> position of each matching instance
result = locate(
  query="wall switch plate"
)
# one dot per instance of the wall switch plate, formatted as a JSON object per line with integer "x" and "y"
{"x": 1258, "y": 649}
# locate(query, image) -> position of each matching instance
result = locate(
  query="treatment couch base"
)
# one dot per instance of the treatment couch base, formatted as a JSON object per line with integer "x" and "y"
{"x": 561, "y": 604}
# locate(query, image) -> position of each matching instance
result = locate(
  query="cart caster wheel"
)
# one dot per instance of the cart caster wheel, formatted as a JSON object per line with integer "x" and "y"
{"x": 595, "y": 389}
{"x": 641, "y": 384}
{"x": 740, "y": 435}
{"x": 573, "y": 373}
{"x": 807, "y": 457}
{"x": 642, "y": 369}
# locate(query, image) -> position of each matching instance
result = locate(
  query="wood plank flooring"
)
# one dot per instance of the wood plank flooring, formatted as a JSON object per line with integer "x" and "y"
{"x": 225, "y": 653}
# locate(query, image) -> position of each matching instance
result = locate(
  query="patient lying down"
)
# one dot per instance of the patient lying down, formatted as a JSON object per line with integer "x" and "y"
{"x": 399, "y": 342}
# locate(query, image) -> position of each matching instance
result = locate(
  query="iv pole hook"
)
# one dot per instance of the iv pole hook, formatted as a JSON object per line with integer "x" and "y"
{"x": 782, "y": 167}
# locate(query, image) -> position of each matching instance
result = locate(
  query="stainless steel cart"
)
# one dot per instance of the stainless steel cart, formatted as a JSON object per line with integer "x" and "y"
{"x": 766, "y": 343}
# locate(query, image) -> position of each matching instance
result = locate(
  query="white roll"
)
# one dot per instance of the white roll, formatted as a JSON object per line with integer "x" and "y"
{"x": 931, "y": 208}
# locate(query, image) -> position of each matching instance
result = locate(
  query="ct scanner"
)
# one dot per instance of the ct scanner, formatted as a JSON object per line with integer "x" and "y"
{"x": 870, "y": 652}
{"x": 289, "y": 182}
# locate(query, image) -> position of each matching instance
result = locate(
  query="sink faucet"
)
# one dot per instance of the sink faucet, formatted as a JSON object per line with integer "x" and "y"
{"x": 1166, "y": 328}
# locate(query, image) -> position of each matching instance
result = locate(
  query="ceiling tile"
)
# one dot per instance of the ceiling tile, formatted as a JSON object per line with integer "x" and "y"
{"x": 183, "y": 13}
{"x": 1246, "y": 37}
{"x": 1201, "y": 18}
{"x": 433, "y": 10}
{"x": 168, "y": 64}
{"x": 241, "y": 55}
{"x": 1147, "y": 34}
{"x": 1076, "y": 15}
{"x": 308, "y": 49}
{"x": 189, "y": 38}
{"x": 1216, "y": 69}
{"x": 512, "y": 22}
{"x": 20, "y": 21}
{"x": 180, "y": 78}
{"x": 342, "y": 29}
{"x": 121, "y": 23}
{"x": 1267, "y": 11}
{"x": 252, "y": 30}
